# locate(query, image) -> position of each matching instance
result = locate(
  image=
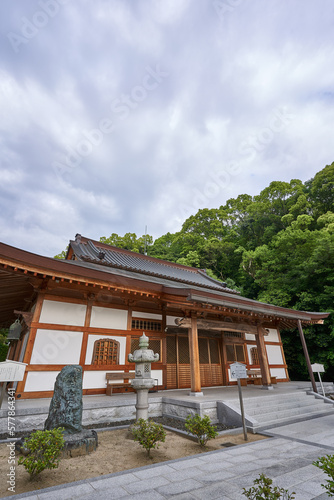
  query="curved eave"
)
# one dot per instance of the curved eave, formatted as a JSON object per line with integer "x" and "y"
{"x": 287, "y": 317}
{"x": 27, "y": 264}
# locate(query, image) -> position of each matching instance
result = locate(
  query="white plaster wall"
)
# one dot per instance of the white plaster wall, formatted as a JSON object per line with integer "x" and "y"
{"x": 94, "y": 379}
{"x": 170, "y": 320}
{"x": 40, "y": 381}
{"x": 250, "y": 336}
{"x": 56, "y": 347}
{"x": 105, "y": 317}
{"x": 277, "y": 372}
{"x": 93, "y": 338}
{"x": 274, "y": 355}
{"x": 272, "y": 336}
{"x": 157, "y": 374}
{"x": 145, "y": 315}
{"x": 63, "y": 313}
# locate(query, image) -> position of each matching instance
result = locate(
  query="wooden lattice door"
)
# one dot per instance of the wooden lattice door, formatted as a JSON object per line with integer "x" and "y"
{"x": 178, "y": 362}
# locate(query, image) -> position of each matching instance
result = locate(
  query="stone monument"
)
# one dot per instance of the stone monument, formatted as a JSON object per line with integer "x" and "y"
{"x": 66, "y": 404}
{"x": 66, "y": 411}
{"x": 142, "y": 357}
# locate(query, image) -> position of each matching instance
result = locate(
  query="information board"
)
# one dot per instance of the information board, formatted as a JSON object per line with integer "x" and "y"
{"x": 12, "y": 371}
{"x": 238, "y": 370}
{"x": 318, "y": 368}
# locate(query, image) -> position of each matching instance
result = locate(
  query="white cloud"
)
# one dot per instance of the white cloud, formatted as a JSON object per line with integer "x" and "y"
{"x": 174, "y": 151}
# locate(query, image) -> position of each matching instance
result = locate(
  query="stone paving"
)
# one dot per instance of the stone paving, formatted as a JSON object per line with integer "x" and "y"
{"x": 286, "y": 458}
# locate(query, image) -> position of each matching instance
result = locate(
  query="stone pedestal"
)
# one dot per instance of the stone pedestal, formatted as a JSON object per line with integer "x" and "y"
{"x": 76, "y": 445}
{"x": 142, "y": 387}
{"x": 81, "y": 443}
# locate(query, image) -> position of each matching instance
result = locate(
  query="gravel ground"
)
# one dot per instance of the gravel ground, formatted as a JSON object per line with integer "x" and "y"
{"x": 175, "y": 423}
{"x": 180, "y": 424}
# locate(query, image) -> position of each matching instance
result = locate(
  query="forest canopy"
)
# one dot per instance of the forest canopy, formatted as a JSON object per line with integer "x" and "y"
{"x": 276, "y": 247}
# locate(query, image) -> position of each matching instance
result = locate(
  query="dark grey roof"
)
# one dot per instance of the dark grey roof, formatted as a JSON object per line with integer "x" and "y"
{"x": 123, "y": 259}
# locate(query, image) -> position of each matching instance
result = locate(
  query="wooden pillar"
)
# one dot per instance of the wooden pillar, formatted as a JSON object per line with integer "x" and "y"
{"x": 307, "y": 357}
{"x": 194, "y": 357}
{"x": 261, "y": 349}
{"x": 31, "y": 340}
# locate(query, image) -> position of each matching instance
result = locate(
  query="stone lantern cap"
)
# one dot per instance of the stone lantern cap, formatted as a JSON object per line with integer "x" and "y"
{"x": 143, "y": 355}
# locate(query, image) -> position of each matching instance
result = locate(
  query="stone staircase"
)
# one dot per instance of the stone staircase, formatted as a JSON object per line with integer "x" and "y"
{"x": 266, "y": 412}
{"x": 328, "y": 386}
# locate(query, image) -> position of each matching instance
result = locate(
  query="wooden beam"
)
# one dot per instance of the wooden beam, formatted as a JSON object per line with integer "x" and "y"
{"x": 261, "y": 349}
{"x": 217, "y": 325}
{"x": 307, "y": 357}
{"x": 194, "y": 356}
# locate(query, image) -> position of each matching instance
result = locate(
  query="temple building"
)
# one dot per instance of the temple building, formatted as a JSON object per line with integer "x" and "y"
{"x": 92, "y": 307}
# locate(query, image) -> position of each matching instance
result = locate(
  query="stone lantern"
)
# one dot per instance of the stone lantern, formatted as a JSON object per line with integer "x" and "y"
{"x": 143, "y": 357}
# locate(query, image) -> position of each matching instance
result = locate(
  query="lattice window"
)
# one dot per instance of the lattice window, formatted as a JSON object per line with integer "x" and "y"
{"x": 235, "y": 352}
{"x": 203, "y": 351}
{"x": 238, "y": 335}
{"x": 106, "y": 352}
{"x": 171, "y": 349}
{"x": 254, "y": 356}
{"x": 134, "y": 344}
{"x": 184, "y": 358}
{"x": 240, "y": 353}
{"x": 214, "y": 351}
{"x": 154, "y": 344}
{"x": 230, "y": 353}
{"x": 146, "y": 324}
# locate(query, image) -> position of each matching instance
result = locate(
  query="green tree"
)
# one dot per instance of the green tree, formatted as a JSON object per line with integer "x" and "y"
{"x": 129, "y": 242}
{"x": 3, "y": 344}
{"x": 321, "y": 191}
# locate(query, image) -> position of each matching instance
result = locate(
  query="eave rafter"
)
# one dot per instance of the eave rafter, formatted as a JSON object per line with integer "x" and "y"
{"x": 221, "y": 311}
{"x": 62, "y": 279}
{"x": 242, "y": 315}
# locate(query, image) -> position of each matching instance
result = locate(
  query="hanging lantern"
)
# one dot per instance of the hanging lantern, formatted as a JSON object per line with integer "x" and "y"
{"x": 15, "y": 330}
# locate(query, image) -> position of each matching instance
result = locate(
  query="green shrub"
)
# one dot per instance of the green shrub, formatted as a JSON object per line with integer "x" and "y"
{"x": 148, "y": 433}
{"x": 264, "y": 491}
{"x": 44, "y": 449}
{"x": 327, "y": 465}
{"x": 3, "y": 344}
{"x": 201, "y": 428}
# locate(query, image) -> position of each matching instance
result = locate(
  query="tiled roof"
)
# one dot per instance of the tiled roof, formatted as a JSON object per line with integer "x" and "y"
{"x": 105, "y": 255}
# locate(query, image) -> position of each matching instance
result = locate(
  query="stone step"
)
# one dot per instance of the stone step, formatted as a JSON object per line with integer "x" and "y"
{"x": 328, "y": 386}
{"x": 257, "y": 427}
{"x": 281, "y": 409}
{"x": 273, "y": 400}
{"x": 286, "y": 413}
{"x": 280, "y": 406}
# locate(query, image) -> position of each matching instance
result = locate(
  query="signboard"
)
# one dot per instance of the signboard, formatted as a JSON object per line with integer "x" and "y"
{"x": 12, "y": 371}
{"x": 238, "y": 370}
{"x": 318, "y": 368}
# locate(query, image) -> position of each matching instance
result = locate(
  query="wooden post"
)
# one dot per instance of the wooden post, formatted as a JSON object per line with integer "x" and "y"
{"x": 261, "y": 349}
{"x": 194, "y": 357}
{"x": 307, "y": 357}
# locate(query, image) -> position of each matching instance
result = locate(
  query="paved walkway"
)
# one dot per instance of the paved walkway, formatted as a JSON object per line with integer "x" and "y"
{"x": 286, "y": 458}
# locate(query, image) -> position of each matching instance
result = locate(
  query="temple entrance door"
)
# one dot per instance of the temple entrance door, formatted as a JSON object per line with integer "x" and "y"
{"x": 178, "y": 362}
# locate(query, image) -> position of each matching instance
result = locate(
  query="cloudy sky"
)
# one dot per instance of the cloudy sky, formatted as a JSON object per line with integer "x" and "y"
{"x": 121, "y": 114}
